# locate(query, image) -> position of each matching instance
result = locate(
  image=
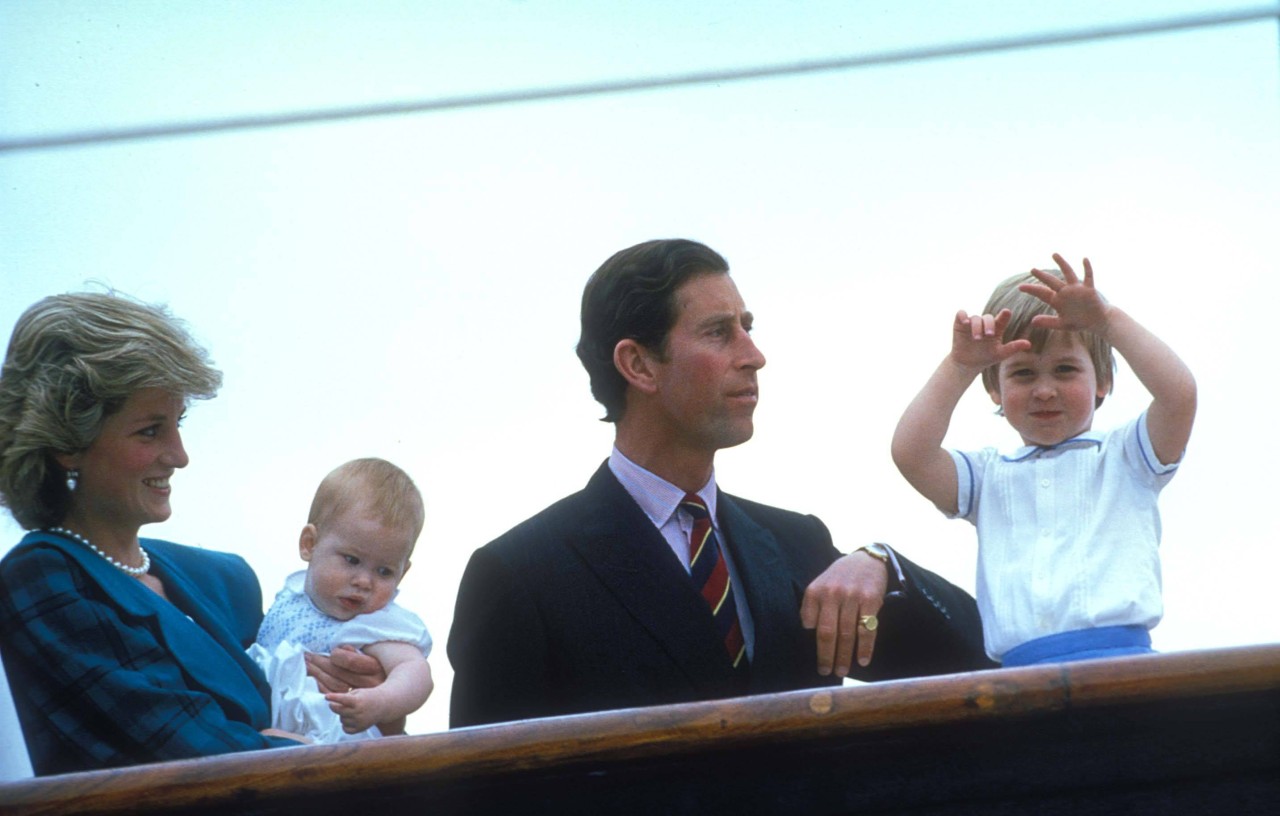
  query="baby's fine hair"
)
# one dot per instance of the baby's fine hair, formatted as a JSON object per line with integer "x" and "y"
{"x": 375, "y": 486}
{"x": 1024, "y": 307}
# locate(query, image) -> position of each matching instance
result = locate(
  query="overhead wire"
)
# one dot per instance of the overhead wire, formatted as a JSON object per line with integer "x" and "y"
{"x": 908, "y": 55}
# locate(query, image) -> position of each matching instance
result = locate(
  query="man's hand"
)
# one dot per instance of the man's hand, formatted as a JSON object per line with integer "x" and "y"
{"x": 851, "y": 587}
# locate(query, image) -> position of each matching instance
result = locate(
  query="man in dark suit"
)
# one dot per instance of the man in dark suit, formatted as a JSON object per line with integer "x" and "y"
{"x": 600, "y": 601}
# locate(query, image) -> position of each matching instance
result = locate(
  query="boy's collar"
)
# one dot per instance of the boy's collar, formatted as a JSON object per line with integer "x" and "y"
{"x": 1078, "y": 441}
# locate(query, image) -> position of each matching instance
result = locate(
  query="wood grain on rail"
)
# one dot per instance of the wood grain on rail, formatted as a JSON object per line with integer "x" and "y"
{"x": 591, "y": 751}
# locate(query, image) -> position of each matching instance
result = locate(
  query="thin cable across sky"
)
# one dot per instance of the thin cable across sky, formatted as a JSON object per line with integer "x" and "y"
{"x": 908, "y": 55}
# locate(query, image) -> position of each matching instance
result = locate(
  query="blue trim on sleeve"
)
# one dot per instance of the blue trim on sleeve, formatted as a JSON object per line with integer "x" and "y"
{"x": 1148, "y": 450}
{"x": 969, "y": 467}
{"x": 1137, "y": 430}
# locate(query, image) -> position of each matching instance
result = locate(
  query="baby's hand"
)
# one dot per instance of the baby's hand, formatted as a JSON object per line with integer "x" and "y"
{"x": 357, "y": 709}
{"x": 976, "y": 340}
{"x": 1077, "y": 303}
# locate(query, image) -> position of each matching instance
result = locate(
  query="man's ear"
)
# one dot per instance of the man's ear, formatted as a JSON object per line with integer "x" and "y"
{"x": 995, "y": 396}
{"x": 636, "y": 365}
{"x": 307, "y": 541}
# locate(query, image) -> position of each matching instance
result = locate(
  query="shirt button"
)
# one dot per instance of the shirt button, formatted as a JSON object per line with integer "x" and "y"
{"x": 1044, "y": 482}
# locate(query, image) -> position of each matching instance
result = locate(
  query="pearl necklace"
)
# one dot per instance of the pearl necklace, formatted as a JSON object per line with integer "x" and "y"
{"x": 136, "y": 572}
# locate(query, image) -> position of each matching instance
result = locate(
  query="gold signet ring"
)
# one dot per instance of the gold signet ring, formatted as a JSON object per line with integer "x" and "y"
{"x": 869, "y": 622}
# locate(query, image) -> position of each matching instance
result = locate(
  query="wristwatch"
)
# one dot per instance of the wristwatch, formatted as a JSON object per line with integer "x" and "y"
{"x": 897, "y": 582}
{"x": 877, "y": 551}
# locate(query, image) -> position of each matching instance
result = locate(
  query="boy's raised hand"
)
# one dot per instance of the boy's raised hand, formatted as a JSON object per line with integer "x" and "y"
{"x": 1077, "y": 302}
{"x": 976, "y": 340}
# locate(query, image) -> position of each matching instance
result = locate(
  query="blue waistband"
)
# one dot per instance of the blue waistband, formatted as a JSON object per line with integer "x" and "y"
{"x": 1081, "y": 644}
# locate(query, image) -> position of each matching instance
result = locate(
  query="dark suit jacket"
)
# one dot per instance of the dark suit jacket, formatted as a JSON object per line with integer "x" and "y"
{"x": 104, "y": 672}
{"x": 584, "y": 608}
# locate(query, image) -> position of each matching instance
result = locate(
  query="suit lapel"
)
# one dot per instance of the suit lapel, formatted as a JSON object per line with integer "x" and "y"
{"x": 772, "y": 595}
{"x": 631, "y": 559}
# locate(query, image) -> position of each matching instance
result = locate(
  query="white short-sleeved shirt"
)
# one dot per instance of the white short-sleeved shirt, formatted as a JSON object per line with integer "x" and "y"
{"x": 1068, "y": 535}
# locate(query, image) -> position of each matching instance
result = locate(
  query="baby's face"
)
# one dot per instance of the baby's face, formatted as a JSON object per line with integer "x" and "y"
{"x": 354, "y": 564}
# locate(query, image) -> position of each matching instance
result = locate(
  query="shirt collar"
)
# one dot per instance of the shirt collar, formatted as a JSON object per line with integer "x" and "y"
{"x": 658, "y": 498}
{"x": 1083, "y": 440}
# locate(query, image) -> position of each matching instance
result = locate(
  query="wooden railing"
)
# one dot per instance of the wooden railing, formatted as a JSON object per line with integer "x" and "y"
{"x": 1191, "y": 732}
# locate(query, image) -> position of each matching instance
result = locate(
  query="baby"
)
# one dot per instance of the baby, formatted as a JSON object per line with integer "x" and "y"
{"x": 364, "y": 520}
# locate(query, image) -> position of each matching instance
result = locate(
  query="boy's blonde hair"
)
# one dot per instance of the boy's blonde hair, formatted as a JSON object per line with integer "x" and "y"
{"x": 1024, "y": 307}
{"x": 375, "y": 486}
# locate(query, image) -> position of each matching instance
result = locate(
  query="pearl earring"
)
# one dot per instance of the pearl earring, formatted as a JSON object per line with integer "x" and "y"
{"x": 73, "y": 478}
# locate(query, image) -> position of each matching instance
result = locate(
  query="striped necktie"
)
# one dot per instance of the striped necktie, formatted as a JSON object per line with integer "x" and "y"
{"x": 711, "y": 576}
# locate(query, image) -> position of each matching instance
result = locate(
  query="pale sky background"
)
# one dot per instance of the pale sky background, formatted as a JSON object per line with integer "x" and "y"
{"x": 408, "y": 287}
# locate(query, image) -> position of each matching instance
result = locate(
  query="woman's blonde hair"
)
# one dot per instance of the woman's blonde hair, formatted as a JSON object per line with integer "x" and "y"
{"x": 72, "y": 362}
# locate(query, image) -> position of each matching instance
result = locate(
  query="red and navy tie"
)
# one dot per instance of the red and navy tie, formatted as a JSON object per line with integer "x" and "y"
{"x": 711, "y": 576}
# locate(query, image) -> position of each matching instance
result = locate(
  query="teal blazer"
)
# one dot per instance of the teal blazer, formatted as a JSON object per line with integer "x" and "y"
{"x": 106, "y": 673}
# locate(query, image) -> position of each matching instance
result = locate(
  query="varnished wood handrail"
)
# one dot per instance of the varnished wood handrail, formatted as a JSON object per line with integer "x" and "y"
{"x": 619, "y": 736}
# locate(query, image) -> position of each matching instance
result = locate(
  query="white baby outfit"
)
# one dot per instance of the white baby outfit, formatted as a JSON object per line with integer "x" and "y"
{"x": 294, "y": 626}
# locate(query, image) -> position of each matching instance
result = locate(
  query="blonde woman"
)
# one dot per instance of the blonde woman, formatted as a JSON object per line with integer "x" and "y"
{"x": 119, "y": 649}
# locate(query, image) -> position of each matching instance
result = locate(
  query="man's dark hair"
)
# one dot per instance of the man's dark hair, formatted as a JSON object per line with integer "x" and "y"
{"x": 632, "y": 296}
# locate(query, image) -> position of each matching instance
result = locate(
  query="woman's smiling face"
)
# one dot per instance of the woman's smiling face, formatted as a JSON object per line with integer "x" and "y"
{"x": 124, "y": 475}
